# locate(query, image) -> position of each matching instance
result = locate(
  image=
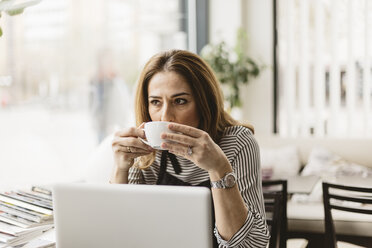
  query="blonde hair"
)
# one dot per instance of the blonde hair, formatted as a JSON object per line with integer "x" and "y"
{"x": 205, "y": 89}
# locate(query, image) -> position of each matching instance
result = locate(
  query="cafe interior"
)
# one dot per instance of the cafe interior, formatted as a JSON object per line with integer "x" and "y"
{"x": 68, "y": 71}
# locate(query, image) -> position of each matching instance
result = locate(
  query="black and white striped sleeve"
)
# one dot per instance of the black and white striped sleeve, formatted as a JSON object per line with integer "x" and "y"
{"x": 246, "y": 164}
{"x": 135, "y": 176}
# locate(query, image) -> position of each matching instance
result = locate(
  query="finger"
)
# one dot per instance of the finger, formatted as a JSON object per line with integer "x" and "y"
{"x": 123, "y": 152}
{"x": 188, "y": 130}
{"x": 131, "y": 142}
{"x": 132, "y": 149}
{"x": 132, "y": 153}
{"x": 179, "y": 138}
{"x": 130, "y": 132}
{"x": 177, "y": 149}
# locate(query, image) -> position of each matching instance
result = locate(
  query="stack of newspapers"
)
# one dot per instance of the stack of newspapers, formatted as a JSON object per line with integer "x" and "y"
{"x": 25, "y": 215}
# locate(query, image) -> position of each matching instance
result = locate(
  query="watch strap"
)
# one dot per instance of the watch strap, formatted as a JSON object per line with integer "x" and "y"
{"x": 220, "y": 184}
{"x": 217, "y": 184}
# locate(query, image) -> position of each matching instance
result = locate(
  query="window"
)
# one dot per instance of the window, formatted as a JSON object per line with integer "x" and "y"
{"x": 67, "y": 73}
{"x": 324, "y": 82}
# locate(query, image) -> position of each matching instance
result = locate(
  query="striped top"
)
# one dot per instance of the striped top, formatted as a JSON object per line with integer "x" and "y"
{"x": 242, "y": 151}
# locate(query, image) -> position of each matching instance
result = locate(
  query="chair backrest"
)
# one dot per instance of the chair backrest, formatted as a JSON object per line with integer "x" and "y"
{"x": 275, "y": 196}
{"x": 273, "y": 207}
{"x": 343, "y": 198}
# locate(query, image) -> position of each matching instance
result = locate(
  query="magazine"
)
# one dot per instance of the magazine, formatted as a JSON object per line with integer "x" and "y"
{"x": 6, "y": 197}
{"x": 36, "y": 195}
{"x": 18, "y": 221}
{"x": 7, "y": 240}
{"x": 39, "y": 243}
{"x": 42, "y": 190}
{"x": 24, "y": 213}
{"x": 9, "y": 229}
{"x": 24, "y": 216}
{"x": 24, "y": 198}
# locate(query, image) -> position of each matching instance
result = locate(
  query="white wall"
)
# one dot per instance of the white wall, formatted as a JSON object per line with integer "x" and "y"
{"x": 259, "y": 94}
{"x": 224, "y": 20}
{"x": 256, "y": 17}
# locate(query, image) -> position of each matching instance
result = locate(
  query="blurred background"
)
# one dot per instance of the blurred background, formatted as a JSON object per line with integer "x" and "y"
{"x": 68, "y": 70}
{"x": 67, "y": 75}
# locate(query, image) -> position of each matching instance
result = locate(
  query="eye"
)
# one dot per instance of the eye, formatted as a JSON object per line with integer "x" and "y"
{"x": 155, "y": 102}
{"x": 180, "y": 101}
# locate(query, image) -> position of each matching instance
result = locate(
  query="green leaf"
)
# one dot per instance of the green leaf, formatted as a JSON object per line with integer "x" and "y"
{"x": 15, "y": 12}
{"x": 232, "y": 73}
{"x": 1, "y": 32}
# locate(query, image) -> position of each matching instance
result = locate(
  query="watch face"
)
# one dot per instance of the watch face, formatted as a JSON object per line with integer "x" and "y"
{"x": 230, "y": 180}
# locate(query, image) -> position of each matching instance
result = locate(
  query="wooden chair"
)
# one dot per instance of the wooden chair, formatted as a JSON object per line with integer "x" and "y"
{"x": 343, "y": 198}
{"x": 275, "y": 196}
{"x": 280, "y": 237}
{"x": 273, "y": 208}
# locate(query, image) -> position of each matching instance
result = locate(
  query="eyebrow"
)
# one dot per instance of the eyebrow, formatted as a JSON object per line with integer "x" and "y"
{"x": 175, "y": 95}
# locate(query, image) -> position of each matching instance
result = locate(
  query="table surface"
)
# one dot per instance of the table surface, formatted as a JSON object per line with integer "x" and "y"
{"x": 308, "y": 217}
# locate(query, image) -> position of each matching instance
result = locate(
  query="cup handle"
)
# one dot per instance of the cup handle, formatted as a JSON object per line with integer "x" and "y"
{"x": 144, "y": 141}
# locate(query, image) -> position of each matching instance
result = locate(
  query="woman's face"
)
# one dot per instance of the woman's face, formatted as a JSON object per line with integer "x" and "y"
{"x": 171, "y": 99}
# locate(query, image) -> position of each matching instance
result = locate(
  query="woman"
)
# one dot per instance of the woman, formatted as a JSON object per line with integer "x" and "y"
{"x": 209, "y": 148}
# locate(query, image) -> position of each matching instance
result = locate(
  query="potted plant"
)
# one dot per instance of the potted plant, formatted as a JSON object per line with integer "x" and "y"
{"x": 15, "y": 7}
{"x": 233, "y": 67}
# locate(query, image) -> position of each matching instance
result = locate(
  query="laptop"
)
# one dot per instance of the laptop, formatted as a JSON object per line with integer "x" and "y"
{"x": 134, "y": 216}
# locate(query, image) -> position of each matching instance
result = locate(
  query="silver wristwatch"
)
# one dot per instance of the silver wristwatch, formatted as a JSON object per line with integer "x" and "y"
{"x": 228, "y": 181}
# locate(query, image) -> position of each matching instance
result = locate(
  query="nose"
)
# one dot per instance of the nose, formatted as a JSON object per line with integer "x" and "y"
{"x": 167, "y": 113}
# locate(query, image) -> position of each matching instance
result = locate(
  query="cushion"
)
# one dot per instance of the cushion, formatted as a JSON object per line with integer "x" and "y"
{"x": 326, "y": 164}
{"x": 280, "y": 162}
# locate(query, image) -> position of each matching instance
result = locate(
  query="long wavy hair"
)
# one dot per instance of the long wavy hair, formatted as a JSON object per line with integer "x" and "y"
{"x": 205, "y": 89}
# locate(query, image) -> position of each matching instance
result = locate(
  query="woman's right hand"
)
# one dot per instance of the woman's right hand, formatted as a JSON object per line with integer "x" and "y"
{"x": 126, "y": 146}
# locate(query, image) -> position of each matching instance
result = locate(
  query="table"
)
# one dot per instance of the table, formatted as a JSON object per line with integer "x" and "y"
{"x": 306, "y": 219}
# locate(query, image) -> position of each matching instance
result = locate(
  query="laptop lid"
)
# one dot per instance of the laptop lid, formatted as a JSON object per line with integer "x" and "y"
{"x": 136, "y": 216}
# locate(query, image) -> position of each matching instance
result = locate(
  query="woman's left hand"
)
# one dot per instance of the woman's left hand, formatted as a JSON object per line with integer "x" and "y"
{"x": 195, "y": 145}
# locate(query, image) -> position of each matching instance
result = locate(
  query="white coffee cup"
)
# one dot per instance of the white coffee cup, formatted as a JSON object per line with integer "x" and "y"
{"x": 153, "y": 131}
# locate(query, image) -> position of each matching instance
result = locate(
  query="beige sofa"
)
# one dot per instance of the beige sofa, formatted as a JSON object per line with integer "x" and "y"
{"x": 355, "y": 150}
{"x": 308, "y": 217}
